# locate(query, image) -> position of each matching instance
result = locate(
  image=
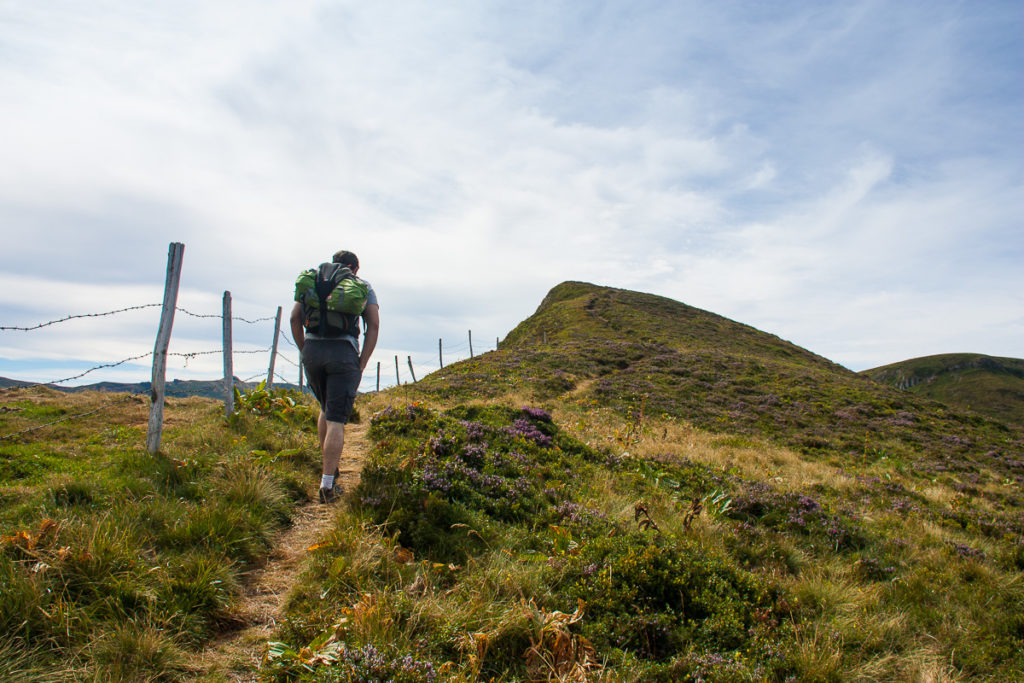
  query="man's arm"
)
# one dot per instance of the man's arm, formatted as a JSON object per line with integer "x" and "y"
{"x": 298, "y": 331}
{"x": 371, "y": 316}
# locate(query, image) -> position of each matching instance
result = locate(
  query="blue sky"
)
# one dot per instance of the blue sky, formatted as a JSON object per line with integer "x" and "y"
{"x": 846, "y": 175}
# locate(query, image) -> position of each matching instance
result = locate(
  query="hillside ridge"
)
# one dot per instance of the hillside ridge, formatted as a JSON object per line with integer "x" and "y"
{"x": 990, "y": 385}
{"x": 638, "y": 352}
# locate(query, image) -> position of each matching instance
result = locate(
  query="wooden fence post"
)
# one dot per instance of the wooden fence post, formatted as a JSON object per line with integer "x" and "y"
{"x": 229, "y": 373}
{"x": 471, "y": 343}
{"x": 163, "y": 339}
{"x": 378, "y": 376}
{"x": 301, "y": 387}
{"x": 397, "y": 378}
{"x": 411, "y": 371}
{"x": 273, "y": 349}
{"x": 440, "y": 358}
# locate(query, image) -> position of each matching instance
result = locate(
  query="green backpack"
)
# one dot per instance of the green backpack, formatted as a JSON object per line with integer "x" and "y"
{"x": 332, "y": 299}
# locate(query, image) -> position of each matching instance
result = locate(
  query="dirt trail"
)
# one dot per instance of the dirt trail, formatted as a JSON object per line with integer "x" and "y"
{"x": 236, "y": 656}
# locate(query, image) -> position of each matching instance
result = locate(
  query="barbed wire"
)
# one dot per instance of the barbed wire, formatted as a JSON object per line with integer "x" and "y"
{"x": 198, "y": 315}
{"x": 73, "y": 317}
{"x": 279, "y": 378}
{"x": 192, "y": 354}
{"x": 255, "y": 320}
{"x": 124, "y": 310}
{"x": 220, "y": 315}
{"x": 287, "y": 359}
{"x": 100, "y": 367}
{"x": 187, "y": 356}
{"x": 287, "y": 339}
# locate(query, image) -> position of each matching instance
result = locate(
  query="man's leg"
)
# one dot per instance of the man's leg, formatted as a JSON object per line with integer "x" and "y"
{"x": 321, "y": 429}
{"x": 333, "y": 441}
{"x": 341, "y": 383}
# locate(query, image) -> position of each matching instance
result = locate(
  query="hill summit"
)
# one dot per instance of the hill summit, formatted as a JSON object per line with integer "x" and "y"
{"x": 646, "y": 354}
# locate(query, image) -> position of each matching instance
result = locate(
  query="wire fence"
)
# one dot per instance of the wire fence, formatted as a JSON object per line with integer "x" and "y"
{"x": 423, "y": 364}
{"x": 177, "y": 388}
{"x": 186, "y": 355}
{"x": 407, "y": 367}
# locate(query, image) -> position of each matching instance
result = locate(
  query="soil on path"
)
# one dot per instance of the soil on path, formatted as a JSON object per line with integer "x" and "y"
{"x": 236, "y": 656}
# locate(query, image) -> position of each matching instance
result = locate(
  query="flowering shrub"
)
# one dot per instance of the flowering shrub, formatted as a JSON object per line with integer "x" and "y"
{"x": 411, "y": 418}
{"x": 433, "y": 471}
{"x": 525, "y": 429}
{"x": 965, "y": 550}
{"x": 538, "y": 414}
{"x": 368, "y": 663}
{"x": 652, "y": 595}
{"x": 760, "y": 504}
{"x": 331, "y": 660}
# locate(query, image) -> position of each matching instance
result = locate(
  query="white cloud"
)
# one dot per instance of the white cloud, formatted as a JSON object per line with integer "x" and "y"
{"x": 775, "y": 167}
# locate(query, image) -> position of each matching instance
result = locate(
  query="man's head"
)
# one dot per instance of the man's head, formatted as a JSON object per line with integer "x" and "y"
{"x": 347, "y": 258}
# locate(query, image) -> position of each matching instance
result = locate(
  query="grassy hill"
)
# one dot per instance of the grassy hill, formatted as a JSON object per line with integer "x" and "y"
{"x": 985, "y": 384}
{"x": 629, "y": 489}
{"x": 639, "y": 353}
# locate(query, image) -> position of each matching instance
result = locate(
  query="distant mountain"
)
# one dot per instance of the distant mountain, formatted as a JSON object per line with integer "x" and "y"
{"x": 176, "y": 388}
{"x": 985, "y": 384}
{"x": 6, "y": 383}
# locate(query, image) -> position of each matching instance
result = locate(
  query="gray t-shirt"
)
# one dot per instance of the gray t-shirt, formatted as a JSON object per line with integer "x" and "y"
{"x": 371, "y": 299}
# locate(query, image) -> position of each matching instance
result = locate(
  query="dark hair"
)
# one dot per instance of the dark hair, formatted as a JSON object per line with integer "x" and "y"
{"x": 346, "y": 258}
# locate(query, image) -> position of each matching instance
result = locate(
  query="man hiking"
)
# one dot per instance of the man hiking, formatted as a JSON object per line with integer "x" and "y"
{"x": 330, "y": 303}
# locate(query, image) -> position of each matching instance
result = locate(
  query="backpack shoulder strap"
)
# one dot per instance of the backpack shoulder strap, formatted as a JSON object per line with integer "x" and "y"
{"x": 326, "y": 281}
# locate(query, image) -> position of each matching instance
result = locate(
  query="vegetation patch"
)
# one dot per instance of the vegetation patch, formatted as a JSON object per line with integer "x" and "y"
{"x": 493, "y": 558}
{"x": 115, "y": 563}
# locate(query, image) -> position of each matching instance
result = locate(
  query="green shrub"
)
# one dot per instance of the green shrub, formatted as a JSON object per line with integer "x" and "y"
{"x": 653, "y": 595}
{"x": 280, "y": 405}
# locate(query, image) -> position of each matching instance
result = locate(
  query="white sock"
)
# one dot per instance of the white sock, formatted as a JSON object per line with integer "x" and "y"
{"x": 326, "y": 481}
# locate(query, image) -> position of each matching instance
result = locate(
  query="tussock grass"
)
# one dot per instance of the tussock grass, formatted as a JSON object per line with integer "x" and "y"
{"x": 26, "y": 664}
{"x": 133, "y": 651}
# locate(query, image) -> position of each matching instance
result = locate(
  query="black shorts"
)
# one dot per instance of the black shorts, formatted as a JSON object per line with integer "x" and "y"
{"x": 332, "y": 368}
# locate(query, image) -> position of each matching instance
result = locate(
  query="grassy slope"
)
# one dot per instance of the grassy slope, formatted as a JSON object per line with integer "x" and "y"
{"x": 847, "y": 531}
{"x": 115, "y": 564}
{"x": 985, "y": 384}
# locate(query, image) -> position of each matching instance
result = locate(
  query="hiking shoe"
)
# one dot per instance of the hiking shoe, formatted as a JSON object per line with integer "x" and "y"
{"x": 328, "y": 496}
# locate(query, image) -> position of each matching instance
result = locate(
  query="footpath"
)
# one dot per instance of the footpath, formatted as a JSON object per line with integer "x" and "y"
{"x": 236, "y": 656}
